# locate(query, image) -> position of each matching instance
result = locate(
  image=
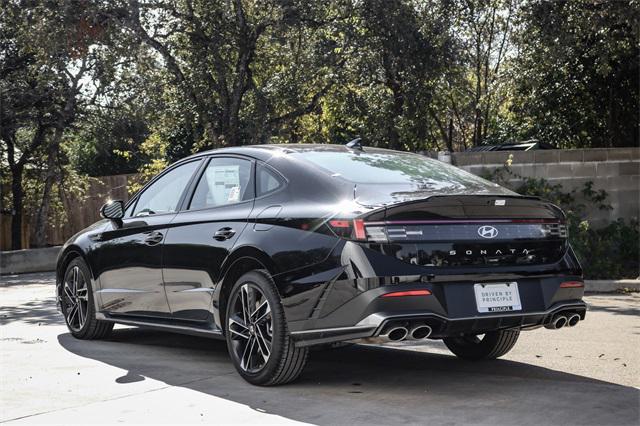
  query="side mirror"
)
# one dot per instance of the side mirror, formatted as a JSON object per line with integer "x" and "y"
{"x": 113, "y": 210}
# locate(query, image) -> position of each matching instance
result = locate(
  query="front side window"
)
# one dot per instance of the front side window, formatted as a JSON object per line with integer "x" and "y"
{"x": 225, "y": 181}
{"x": 164, "y": 194}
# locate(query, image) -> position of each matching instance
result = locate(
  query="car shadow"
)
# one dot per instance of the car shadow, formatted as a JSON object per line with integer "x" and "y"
{"x": 371, "y": 384}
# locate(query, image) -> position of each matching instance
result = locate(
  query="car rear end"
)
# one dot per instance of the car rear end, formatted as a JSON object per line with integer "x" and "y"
{"x": 420, "y": 266}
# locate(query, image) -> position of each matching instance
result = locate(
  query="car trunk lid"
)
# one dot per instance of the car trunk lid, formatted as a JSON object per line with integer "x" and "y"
{"x": 470, "y": 230}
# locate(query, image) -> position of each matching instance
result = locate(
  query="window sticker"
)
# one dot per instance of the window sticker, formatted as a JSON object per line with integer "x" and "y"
{"x": 234, "y": 195}
{"x": 224, "y": 185}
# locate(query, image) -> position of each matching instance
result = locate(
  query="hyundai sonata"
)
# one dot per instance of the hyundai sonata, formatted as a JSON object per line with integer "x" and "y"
{"x": 277, "y": 248}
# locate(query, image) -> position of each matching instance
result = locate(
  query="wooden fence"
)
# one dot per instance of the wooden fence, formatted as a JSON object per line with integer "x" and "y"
{"x": 80, "y": 212}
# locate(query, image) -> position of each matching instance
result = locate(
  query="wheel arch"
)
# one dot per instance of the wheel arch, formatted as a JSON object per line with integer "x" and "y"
{"x": 242, "y": 260}
{"x": 66, "y": 256}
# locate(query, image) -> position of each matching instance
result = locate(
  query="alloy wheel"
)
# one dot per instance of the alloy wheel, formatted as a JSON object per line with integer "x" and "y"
{"x": 251, "y": 328}
{"x": 76, "y": 298}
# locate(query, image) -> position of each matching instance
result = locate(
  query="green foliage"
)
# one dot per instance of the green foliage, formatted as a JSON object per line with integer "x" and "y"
{"x": 608, "y": 253}
{"x": 154, "y": 148}
{"x": 611, "y": 252}
{"x": 576, "y": 76}
{"x": 85, "y": 84}
{"x": 108, "y": 145}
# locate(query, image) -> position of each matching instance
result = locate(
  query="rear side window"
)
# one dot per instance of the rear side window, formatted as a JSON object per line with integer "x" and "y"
{"x": 268, "y": 180}
{"x": 225, "y": 181}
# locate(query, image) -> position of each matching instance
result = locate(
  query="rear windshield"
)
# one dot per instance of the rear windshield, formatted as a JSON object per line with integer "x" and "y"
{"x": 392, "y": 167}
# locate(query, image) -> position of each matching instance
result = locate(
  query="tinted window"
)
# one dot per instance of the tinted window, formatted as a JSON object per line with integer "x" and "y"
{"x": 392, "y": 167}
{"x": 224, "y": 181}
{"x": 268, "y": 180}
{"x": 164, "y": 194}
{"x": 129, "y": 210}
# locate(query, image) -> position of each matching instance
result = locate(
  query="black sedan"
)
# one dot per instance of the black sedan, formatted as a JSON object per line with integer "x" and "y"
{"x": 277, "y": 248}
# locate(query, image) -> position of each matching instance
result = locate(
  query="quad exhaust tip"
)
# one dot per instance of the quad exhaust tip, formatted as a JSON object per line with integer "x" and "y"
{"x": 570, "y": 319}
{"x": 557, "y": 322}
{"x": 420, "y": 332}
{"x": 573, "y": 320}
{"x": 397, "y": 334}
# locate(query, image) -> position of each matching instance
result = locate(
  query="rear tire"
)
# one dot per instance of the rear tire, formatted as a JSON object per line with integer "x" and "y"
{"x": 77, "y": 303}
{"x": 494, "y": 344}
{"x": 280, "y": 361}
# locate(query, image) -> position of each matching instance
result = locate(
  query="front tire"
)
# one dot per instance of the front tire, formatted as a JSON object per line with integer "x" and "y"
{"x": 492, "y": 345}
{"x": 258, "y": 340}
{"x": 78, "y": 307}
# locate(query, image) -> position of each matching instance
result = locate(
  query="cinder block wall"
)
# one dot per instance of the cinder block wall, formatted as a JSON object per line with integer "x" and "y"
{"x": 616, "y": 170}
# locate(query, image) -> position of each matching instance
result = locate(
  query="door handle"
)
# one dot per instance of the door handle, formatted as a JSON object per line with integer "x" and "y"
{"x": 224, "y": 234}
{"x": 154, "y": 238}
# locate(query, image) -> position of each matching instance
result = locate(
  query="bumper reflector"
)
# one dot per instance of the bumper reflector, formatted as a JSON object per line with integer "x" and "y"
{"x": 407, "y": 293}
{"x": 572, "y": 284}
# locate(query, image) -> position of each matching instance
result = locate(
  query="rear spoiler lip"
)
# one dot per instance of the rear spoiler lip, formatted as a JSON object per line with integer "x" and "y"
{"x": 420, "y": 200}
{"x": 382, "y": 208}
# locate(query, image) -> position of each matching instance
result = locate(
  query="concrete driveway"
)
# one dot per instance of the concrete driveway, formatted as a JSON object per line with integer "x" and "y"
{"x": 586, "y": 375}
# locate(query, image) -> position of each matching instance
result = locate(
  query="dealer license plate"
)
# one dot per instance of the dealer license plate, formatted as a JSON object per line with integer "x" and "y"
{"x": 499, "y": 297}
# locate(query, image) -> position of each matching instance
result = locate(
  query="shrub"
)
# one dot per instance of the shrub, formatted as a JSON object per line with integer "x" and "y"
{"x": 611, "y": 252}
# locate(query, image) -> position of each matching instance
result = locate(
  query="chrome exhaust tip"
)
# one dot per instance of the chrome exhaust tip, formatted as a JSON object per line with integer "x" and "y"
{"x": 397, "y": 334}
{"x": 389, "y": 334}
{"x": 573, "y": 320}
{"x": 557, "y": 322}
{"x": 420, "y": 332}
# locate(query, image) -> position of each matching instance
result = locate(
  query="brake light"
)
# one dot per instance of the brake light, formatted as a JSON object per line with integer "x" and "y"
{"x": 572, "y": 284}
{"x": 358, "y": 229}
{"x": 339, "y": 223}
{"x": 423, "y": 292}
{"x": 350, "y": 229}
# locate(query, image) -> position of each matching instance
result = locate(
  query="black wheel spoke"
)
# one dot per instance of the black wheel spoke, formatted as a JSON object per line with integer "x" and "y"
{"x": 68, "y": 295}
{"x": 72, "y": 313}
{"x": 246, "y": 355}
{"x": 264, "y": 345}
{"x": 238, "y": 327}
{"x": 266, "y": 315}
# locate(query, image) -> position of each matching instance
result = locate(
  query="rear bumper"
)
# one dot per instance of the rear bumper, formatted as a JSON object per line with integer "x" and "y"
{"x": 449, "y": 310}
{"x": 442, "y": 326}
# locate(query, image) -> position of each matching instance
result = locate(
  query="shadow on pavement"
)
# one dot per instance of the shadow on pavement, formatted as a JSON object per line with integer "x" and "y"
{"x": 42, "y": 278}
{"x": 374, "y": 385}
{"x": 630, "y": 304}
{"x": 37, "y": 312}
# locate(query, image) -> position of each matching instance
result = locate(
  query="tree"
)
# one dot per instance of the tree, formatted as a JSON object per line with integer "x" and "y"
{"x": 224, "y": 60}
{"x": 52, "y": 66}
{"x": 399, "y": 52}
{"x": 577, "y": 73}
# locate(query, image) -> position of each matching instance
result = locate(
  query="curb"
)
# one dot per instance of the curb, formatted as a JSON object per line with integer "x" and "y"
{"x": 609, "y": 286}
{"x": 29, "y": 260}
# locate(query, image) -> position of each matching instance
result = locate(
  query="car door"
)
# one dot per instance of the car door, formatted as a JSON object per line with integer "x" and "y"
{"x": 128, "y": 256}
{"x": 202, "y": 235}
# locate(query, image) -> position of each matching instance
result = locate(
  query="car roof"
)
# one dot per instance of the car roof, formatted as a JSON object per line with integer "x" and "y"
{"x": 266, "y": 151}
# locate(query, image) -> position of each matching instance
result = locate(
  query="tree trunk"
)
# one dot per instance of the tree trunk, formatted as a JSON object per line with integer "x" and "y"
{"x": 42, "y": 217}
{"x": 17, "y": 195}
{"x": 450, "y": 138}
{"x": 397, "y": 110}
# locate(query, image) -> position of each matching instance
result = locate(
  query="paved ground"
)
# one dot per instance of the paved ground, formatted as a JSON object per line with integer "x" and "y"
{"x": 586, "y": 375}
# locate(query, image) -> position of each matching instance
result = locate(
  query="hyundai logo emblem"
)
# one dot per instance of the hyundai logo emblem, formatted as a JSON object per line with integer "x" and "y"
{"x": 487, "y": 231}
